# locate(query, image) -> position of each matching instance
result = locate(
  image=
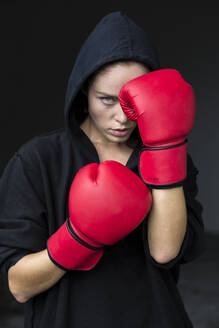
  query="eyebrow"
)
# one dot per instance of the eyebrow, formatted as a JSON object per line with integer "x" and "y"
{"x": 105, "y": 94}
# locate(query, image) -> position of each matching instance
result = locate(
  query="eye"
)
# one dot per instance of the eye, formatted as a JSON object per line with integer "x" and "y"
{"x": 107, "y": 100}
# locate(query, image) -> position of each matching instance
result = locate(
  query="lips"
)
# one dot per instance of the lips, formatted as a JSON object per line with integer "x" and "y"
{"x": 119, "y": 132}
{"x": 120, "y": 129}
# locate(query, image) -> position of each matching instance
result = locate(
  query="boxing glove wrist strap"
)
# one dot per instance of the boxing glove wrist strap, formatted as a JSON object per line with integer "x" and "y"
{"x": 164, "y": 166}
{"x": 78, "y": 239}
{"x": 69, "y": 252}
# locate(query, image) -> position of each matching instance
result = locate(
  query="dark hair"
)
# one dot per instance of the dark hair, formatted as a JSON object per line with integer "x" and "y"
{"x": 135, "y": 136}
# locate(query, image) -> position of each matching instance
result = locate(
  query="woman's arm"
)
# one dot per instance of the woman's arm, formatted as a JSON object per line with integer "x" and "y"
{"x": 33, "y": 274}
{"x": 167, "y": 223}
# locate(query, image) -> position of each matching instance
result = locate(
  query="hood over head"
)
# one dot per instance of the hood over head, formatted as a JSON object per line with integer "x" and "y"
{"x": 115, "y": 37}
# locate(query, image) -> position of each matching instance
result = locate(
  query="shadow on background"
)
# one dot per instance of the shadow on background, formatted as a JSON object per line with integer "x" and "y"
{"x": 198, "y": 285}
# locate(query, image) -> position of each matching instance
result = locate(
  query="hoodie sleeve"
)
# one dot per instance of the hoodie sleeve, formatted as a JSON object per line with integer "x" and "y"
{"x": 194, "y": 241}
{"x": 23, "y": 228}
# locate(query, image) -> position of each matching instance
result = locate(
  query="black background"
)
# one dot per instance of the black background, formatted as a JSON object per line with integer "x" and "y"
{"x": 39, "y": 43}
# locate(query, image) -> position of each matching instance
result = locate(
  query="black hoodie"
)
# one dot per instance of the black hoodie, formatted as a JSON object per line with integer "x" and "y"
{"x": 127, "y": 288}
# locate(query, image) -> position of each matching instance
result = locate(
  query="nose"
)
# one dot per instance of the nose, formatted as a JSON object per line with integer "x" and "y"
{"x": 120, "y": 115}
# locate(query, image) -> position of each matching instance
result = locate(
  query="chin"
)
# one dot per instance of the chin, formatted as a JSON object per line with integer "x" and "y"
{"x": 119, "y": 139}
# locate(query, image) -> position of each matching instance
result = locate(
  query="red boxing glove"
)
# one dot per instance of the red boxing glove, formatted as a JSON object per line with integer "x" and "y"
{"x": 106, "y": 202}
{"x": 163, "y": 105}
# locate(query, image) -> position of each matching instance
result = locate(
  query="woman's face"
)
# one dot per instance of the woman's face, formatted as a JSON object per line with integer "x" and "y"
{"x": 106, "y": 120}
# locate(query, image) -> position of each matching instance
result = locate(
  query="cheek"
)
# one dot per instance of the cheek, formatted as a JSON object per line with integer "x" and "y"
{"x": 98, "y": 112}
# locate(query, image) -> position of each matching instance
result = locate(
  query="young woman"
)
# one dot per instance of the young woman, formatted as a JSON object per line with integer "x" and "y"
{"x": 131, "y": 282}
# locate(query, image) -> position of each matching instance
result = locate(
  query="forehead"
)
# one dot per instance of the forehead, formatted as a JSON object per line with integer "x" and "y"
{"x": 114, "y": 76}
